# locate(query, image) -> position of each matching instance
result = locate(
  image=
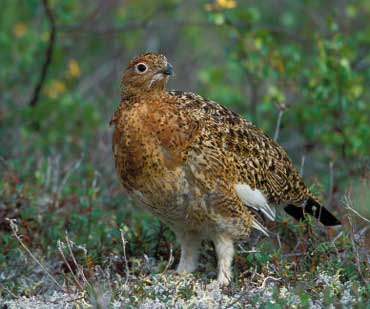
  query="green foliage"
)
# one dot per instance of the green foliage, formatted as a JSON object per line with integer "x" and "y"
{"x": 317, "y": 74}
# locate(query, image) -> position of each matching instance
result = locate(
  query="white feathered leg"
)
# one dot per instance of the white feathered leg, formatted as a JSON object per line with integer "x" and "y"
{"x": 190, "y": 244}
{"x": 225, "y": 253}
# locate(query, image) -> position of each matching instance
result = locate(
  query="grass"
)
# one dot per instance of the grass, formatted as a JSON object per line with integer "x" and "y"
{"x": 77, "y": 240}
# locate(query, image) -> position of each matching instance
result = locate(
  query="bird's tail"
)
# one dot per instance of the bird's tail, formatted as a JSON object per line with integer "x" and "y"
{"x": 313, "y": 208}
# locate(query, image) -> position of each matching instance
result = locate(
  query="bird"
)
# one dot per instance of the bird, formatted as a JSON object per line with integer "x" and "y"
{"x": 202, "y": 169}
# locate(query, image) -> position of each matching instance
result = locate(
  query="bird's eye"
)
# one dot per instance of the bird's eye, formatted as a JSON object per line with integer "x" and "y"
{"x": 141, "y": 68}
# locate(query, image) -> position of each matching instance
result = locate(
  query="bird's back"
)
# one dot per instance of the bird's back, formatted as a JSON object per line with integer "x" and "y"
{"x": 232, "y": 149}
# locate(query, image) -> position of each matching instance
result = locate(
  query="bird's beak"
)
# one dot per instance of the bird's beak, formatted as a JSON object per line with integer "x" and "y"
{"x": 167, "y": 70}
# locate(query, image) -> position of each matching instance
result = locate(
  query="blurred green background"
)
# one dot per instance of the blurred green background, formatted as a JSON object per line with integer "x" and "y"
{"x": 309, "y": 57}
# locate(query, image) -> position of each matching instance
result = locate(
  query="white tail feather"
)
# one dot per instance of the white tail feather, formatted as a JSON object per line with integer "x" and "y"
{"x": 258, "y": 226}
{"x": 255, "y": 199}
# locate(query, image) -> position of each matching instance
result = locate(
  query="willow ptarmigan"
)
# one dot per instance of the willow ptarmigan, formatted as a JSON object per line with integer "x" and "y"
{"x": 200, "y": 167}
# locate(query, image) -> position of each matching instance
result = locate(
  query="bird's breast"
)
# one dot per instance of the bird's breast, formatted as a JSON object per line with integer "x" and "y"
{"x": 148, "y": 171}
{"x": 150, "y": 154}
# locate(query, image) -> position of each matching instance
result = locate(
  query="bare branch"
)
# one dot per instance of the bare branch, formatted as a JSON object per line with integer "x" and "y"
{"x": 282, "y": 108}
{"x": 61, "y": 246}
{"x": 348, "y": 205}
{"x": 124, "y": 242}
{"x": 302, "y": 166}
{"x": 78, "y": 266}
{"x": 263, "y": 286}
{"x": 355, "y": 248}
{"x": 48, "y": 54}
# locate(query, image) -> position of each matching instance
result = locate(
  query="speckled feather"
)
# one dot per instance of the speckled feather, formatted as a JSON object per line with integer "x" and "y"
{"x": 238, "y": 152}
{"x": 181, "y": 155}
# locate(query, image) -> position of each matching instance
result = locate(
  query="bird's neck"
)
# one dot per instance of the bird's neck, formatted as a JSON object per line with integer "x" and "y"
{"x": 133, "y": 95}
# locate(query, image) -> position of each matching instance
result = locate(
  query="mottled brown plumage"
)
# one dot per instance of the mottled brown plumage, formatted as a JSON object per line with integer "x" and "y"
{"x": 198, "y": 166}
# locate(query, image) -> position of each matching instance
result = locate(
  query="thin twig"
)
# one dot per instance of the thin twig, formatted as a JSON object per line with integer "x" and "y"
{"x": 11, "y": 293}
{"x": 302, "y": 166}
{"x": 75, "y": 166}
{"x": 358, "y": 266}
{"x": 347, "y": 203}
{"x": 335, "y": 247}
{"x": 58, "y": 189}
{"x": 48, "y": 54}
{"x": 242, "y": 250}
{"x": 278, "y": 239}
{"x": 170, "y": 261}
{"x": 79, "y": 268}
{"x": 278, "y": 123}
{"x": 124, "y": 242}
{"x": 14, "y": 227}
{"x": 60, "y": 248}
{"x": 265, "y": 281}
{"x": 336, "y": 237}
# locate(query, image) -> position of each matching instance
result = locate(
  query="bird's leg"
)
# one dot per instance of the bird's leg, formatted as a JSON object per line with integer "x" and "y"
{"x": 225, "y": 252}
{"x": 190, "y": 244}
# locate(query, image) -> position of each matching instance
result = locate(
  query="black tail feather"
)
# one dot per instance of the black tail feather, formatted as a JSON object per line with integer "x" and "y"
{"x": 314, "y": 209}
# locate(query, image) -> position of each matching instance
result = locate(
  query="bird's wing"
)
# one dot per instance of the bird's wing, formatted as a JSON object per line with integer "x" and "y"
{"x": 231, "y": 152}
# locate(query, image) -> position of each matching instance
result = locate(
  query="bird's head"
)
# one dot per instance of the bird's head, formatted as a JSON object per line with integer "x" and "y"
{"x": 147, "y": 73}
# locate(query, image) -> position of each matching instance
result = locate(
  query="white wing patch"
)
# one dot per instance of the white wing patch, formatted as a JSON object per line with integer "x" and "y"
{"x": 255, "y": 199}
